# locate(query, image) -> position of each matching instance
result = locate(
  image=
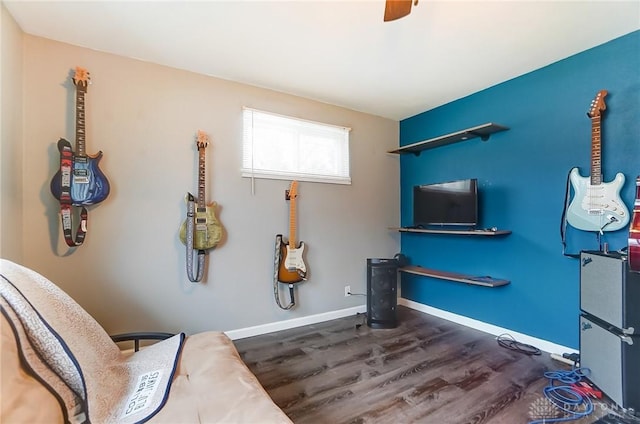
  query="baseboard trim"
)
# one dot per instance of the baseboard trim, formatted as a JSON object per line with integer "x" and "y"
{"x": 541, "y": 344}
{"x": 257, "y": 330}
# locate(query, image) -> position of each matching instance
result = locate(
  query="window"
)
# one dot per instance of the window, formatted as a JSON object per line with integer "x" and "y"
{"x": 280, "y": 147}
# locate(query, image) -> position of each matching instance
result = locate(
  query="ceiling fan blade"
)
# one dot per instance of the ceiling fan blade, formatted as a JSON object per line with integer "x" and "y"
{"x": 396, "y": 9}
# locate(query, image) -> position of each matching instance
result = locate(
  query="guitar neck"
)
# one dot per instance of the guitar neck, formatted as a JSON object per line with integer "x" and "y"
{"x": 596, "y": 151}
{"x": 80, "y": 124}
{"x": 292, "y": 222}
{"x": 201, "y": 178}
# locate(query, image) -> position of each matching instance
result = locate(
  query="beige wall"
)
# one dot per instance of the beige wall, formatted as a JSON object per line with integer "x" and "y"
{"x": 11, "y": 173}
{"x": 130, "y": 273}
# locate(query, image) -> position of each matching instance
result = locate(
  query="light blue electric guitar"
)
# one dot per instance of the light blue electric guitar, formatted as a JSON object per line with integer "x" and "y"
{"x": 596, "y": 205}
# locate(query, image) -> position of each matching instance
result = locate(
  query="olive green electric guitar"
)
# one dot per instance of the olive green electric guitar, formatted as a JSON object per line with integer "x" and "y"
{"x": 207, "y": 229}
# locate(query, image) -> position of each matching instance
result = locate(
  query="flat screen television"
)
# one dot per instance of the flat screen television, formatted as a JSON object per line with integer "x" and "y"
{"x": 447, "y": 203}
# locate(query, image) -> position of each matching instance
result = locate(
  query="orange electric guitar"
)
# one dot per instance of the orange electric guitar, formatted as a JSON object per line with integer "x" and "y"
{"x": 292, "y": 268}
{"x": 634, "y": 233}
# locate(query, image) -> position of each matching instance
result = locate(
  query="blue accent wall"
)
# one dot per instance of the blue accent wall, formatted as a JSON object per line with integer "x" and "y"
{"x": 522, "y": 176}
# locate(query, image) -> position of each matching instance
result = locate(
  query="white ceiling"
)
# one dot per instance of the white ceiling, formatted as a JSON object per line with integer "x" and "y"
{"x": 340, "y": 52}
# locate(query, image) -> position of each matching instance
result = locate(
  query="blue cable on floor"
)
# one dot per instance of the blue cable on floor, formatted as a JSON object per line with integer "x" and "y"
{"x": 566, "y": 398}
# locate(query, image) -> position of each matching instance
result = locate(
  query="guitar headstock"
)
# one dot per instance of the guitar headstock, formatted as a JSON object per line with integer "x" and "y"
{"x": 202, "y": 140}
{"x": 292, "y": 193}
{"x": 597, "y": 104}
{"x": 81, "y": 79}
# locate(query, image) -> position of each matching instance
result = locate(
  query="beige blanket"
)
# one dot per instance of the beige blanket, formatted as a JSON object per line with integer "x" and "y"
{"x": 87, "y": 377}
{"x": 69, "y": 352}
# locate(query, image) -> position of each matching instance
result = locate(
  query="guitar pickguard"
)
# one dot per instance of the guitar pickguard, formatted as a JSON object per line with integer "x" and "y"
{"x": 294, "y": 261}
{"x": 599, "y": 207}
{"x": 292, "y": 268}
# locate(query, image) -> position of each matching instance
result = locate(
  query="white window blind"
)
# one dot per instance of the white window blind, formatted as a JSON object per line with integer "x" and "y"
{"x": 281, "y": 147}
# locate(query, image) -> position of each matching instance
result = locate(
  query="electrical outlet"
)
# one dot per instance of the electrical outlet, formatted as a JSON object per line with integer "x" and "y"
{"x": 347, "y": 291}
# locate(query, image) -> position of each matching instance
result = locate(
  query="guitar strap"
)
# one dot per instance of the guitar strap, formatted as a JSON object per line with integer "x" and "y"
{"x": 66, "y": 166}
{"x": 276, "y": 266}
{"x": 191, "y": 208}
{"x": 563, "y": 223}
{"x": 563, "y": 220}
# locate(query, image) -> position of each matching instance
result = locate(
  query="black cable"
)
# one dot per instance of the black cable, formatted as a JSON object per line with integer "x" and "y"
{"x": 507, "y": 341}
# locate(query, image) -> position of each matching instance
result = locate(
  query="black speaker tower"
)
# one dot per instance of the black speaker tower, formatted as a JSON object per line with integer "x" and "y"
{"x": 382, "y": 281}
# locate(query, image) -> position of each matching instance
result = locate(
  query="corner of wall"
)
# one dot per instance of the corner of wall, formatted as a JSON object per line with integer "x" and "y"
{"x": 11, "y": 121}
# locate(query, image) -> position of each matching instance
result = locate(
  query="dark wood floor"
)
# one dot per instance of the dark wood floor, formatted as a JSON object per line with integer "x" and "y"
{"x": 427, "y": 370}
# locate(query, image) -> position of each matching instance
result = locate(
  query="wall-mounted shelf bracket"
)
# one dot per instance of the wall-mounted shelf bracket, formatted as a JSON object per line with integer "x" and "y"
{"x": 483, "y": 131}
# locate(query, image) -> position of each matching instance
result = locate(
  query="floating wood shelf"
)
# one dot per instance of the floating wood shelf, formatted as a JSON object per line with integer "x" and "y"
{"x": 484, "y": 281}
{"x": 483, "y": 131}
{"x": 487, "y": 232}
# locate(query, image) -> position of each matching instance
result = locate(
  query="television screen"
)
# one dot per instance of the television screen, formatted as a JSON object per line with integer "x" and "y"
{"x": 448, "y": 203}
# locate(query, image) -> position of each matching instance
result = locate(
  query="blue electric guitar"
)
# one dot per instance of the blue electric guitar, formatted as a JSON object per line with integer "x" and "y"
{"x": 88, "y": 185}
{"x": 596, "y": 205}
